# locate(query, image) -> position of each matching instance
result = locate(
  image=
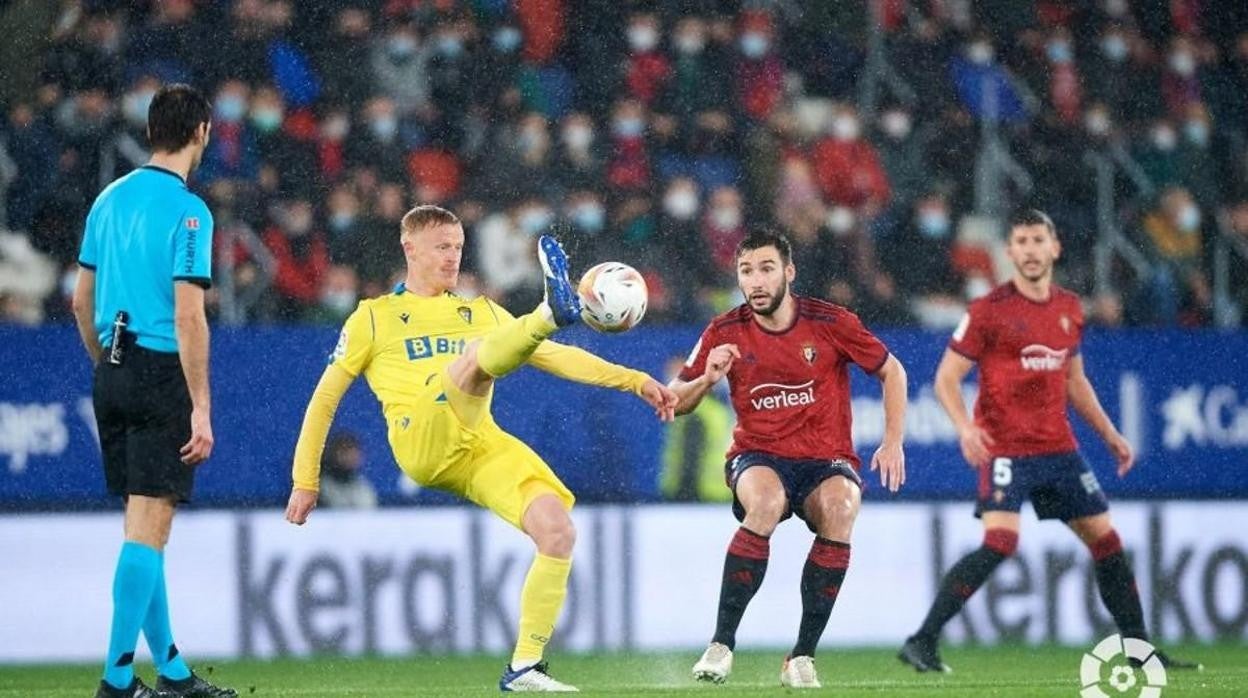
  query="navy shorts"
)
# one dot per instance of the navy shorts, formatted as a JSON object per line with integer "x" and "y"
{"x": 1060, "y": 486}
{"x": 799, "y": 478}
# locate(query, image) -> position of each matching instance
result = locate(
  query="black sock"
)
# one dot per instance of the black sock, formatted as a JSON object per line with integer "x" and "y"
{"x": 1116, "y": 581}
{"x": 821, "y": 582}
{"x": 744, "y": 566}
{"x": 966, "y": 577}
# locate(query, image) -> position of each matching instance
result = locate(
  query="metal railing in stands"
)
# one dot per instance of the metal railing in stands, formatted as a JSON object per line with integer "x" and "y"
{"x": 235, "y": 304}
{"x": 1227, "y": 245}
{"x": 1110, "y": 240}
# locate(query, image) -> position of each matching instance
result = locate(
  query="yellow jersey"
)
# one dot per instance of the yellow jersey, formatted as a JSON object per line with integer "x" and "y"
{"x": 401, "y": 342}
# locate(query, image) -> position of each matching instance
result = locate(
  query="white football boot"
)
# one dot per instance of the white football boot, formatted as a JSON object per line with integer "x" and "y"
{"x": 799, "y": 672}
{"x": 715, "y": 664}
{"x": 532, "y": 679}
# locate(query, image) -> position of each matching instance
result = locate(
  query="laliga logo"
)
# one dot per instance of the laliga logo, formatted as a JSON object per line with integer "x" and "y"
{"x": 1037, "y": 357}
{"x": 1122, "y": 675}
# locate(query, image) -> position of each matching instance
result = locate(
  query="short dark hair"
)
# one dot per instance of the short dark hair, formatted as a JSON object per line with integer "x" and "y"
{"x": 177, "y": 111}
{"x": 766, "y": 238}
{"x": 1031, "y": 216}
{"x": 427, "y": 215}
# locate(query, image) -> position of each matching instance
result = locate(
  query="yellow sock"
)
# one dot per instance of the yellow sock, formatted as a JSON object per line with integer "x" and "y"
{"x": 541, "y": 599}
{"x": 510, "y": 345}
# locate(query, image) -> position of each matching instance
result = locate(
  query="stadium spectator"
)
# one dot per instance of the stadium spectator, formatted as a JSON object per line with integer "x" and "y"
{"x": 343, "y": 485}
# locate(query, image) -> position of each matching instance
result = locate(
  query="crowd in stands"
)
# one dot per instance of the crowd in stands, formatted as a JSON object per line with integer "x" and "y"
{"x": 653, "y": 133}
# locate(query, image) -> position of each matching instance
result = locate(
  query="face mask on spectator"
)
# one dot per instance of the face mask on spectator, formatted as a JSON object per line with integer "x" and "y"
{"x": 689, "y": 44}
{"x": 1183, "y": 63}
{"x": 136, "y": 105}
{"x": 534, "y": 221}
{"x": 980, "y": 53}
{"x": 754, "y": 44}
{"x": 507, "y": 39}
{"x": 528, "y": 141}
{"x": 977, "y": 287}
{"x": 401, "y": 46}
{"x": 578, "y": 137}
{"x": 589, "y": 216}
{"x": 726, "y": 217}
{"x": 1117, "y": 8}
{"x": 230, "y": 108}
{"x": 341, "y": 221}
{"x": 846, "y": 128}
{"x": 896, "y": 124}
{"x": 681, "y": 204}
{"x": 1189, "y": 218}
{"x": 1114, "y": 47}
{"x": 1164, "y": 138}
{"x": 266, "y": 119}
{"x": 933, "y": 223}
{"x": 1197, "y": 132}
{"x": 1097, "y": 123}
{"x": 642, "y": 38}
{"x": 384, "y": 128}
{"x": 1058, "y": 51}
{"x": 336, "y": 128}
{"x": 450, "y": 45}
{"x": 840, "y": 220}
{"x": 340, "y": 301}
{"x": 627, "y": 127}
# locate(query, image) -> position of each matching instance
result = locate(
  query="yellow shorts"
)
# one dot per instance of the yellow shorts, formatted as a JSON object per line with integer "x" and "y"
{"x": 435, "y": 445}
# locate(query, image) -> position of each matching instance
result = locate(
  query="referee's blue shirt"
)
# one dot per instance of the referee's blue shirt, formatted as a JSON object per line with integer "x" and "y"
{"x": 146, "y": 231}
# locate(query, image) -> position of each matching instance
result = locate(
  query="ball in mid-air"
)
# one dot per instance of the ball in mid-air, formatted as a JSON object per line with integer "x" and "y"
{"x": 613, "y": 297}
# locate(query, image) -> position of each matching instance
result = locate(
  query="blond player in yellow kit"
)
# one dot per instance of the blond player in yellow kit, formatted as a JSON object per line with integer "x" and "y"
{"x": 431, "y": 357}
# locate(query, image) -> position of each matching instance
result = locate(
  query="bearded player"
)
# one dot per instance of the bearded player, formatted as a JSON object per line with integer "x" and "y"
{"x": 787, "y": 362}
{"x": 1024, "y": 336}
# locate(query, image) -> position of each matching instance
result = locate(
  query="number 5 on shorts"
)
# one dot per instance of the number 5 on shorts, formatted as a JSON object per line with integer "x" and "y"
{"x": 1002, "y": 472}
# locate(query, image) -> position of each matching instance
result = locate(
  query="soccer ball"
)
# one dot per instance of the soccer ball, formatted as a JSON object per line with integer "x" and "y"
{"x": 613, "y": 297}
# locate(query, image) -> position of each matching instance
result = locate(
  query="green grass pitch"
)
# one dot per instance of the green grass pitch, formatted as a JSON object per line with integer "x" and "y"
{"x": 1010, "y": 671}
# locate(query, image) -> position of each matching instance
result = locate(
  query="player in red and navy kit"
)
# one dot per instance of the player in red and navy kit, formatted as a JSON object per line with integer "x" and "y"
{"x": 787, "y": 360}
{"x": 1024, "y": 336}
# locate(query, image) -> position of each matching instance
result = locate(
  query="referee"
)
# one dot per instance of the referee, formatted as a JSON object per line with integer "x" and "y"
{"x": 139, "y": 304}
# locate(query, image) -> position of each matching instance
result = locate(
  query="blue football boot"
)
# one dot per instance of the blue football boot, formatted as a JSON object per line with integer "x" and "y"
{"x": 560, "y": 294}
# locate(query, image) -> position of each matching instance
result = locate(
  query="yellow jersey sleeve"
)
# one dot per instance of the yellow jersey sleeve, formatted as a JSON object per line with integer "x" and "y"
{"x": 355, "y": 343}
{"x": 306, "y": 472}
{"x": 576, "y": 364}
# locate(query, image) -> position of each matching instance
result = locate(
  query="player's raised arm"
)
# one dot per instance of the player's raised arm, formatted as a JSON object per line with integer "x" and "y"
{"x": 576, "y": 364}
{"x": 889, "y": 458}
{"x": 715, "y": 365}
{"x": 1083, "y": 399}
{"x": 952, "y": 371}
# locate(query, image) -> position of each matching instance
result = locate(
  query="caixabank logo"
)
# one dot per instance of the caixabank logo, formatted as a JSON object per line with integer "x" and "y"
{"x": 1123, "y": 667}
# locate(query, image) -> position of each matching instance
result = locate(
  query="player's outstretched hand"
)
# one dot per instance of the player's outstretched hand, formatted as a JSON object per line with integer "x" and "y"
{"x": 1123, "y": 453}
{"x": 198, "y": 449}
{"x": 661, "y": 398}
{"x": 719, "y": 362}
{"x": 302, "y": 502}
{"x": 976, "y": 445}
{"x": 890, "y": 460}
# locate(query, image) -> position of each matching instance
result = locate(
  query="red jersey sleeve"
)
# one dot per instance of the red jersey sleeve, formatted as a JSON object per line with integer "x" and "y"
{"x": 970, "y": 336}
{"x": 858, "y": 344}
{"x": 695, "y": 365}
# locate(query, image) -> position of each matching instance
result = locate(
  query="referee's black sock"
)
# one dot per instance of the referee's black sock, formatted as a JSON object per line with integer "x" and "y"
{"x": 821, "y": 583}
{"x": 966, "y": 577}
{"x": 744, "y": 567}
{"x": 1116, "y": 581}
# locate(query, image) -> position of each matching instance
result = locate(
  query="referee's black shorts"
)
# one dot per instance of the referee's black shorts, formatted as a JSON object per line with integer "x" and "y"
{"x": 143, "y": 411}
